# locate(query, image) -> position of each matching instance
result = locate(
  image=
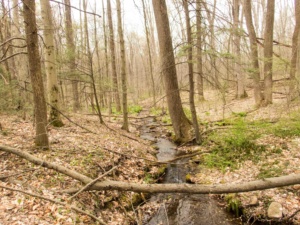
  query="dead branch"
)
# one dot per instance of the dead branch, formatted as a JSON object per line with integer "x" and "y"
{"x": 92, "y": 182}
{"x": 55, "y": 202}
{"x": 8, "y": 57}
{"x": 267, "y": 183}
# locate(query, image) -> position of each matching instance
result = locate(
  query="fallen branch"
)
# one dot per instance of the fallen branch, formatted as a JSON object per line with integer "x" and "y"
{"x": 92, "y": 182}
{"x": 54, "y": 201}
{"x": 267, "y": 183}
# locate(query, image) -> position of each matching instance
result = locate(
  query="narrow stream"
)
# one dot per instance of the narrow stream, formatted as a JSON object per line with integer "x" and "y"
{"x": 181, "y": 209}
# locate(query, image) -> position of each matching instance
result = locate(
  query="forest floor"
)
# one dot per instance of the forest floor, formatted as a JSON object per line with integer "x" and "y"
{"x": 231, "y": 124}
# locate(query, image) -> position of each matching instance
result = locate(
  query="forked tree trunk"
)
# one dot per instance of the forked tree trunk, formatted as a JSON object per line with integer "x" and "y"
{"x": 181, "y": 124}
{"x": 113, "y": 58}
{"x": 123, "y": 68}
{"x": 268, "y": 53}
{"x": 50, "y": 65}
{"x": 71, "y": 54}
{"x": 191, "y": 72}
{"x": 258, "y": 97}
{"x": 40, "y": 109}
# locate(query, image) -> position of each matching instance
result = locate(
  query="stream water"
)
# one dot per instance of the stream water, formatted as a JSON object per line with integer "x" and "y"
{"x": 181, "y": 209}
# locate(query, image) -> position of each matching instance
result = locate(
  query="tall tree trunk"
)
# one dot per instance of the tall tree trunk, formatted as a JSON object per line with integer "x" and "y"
{"x": 239, "y": 74}
{"x": 90, "y": 62}
{"x": 191, "y": 72}
{"x": 295, "y": 47}
{"x": 268, "y": 53}
{"x": 106, "y": 61}
{"x": 254, "y": 53}
{"x": 149, "y": 54}
{"x": 123, "y": 68}
{"x": 71, "y": 54}
{"x": 50, "y": 65}
{"x": 113, "y": 58}
{"x": 181, "y": 124}
{"x": 21, "y": 60}
{"x": 199, "y": 51}
{"x": 40, "y": 109}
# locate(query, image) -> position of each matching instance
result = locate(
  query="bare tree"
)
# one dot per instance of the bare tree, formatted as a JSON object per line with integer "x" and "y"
{"x": 40, "y": 109}
{"x": 199, "y": 51}
{"x": 191, "y": 72}
{"x": 241, "y": 92}
{"x": 113, "y": 57}
{"x": 123, "y": 68}
{"x": 295, "y": 50}
{"x": 255, "y": 72}
{"x": 50, "y": 65}
{"x": 268, "y": 52}
{"x": 71, "y": 53}
{"x": 180, "y": 122}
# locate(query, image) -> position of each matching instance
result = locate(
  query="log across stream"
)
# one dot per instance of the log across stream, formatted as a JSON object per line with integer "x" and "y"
{"x": 181, "y": 209}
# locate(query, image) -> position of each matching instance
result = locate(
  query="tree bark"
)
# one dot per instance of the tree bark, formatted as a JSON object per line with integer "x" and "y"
{"x": 239, "y": 74}
{"x": 50, "y": 65}
{"x": 268, "y": 53}
{"x": 258, "y": 97}
{"x": 191, "y": 72}
{"x": 40, "y": 109}
{"x": 123, "y": 68}
{"x": 149, "y": 53}
{"x": 255, "y": 185}
{"x": 113, "y": 58}
{"x": 181, "y": 124}
{"x": 71, "y": 54}
{"x": 200, "y": 84}
{"x": 294, "y": 81}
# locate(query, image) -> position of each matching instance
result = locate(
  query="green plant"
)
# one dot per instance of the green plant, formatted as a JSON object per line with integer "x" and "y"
{"x": 268, "y": 170}
{"x": 233, "y": 147}
{"x": 135, "y": 108}
{"x": 233, "y": 204}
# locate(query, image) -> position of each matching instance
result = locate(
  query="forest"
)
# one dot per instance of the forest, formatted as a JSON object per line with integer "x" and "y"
{"x": 143, "y": 112}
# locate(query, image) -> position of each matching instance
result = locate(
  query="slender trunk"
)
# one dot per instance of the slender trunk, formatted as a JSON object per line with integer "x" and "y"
{"x": 199, "y": 51}
{"x": 106, "y": 61}
{"x": 40, "y": 109}
{"x": 90, "y": 61}
{"x": 254, "y": 53}
{"x": 149, "y": 54}
{"x": 113, "y": 58}
{"x": 241, "y": 92}
{"x": 268, "y": 53}
{"x": 71, "y": 54}
{"x": 191, "y": 72}
{"x": 123, "y": 68}
{"x": 50, "y": 65}
{"x": 293, "y": 80}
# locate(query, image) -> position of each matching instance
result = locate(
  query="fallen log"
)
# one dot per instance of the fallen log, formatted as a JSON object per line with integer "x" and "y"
{"x": 267, "y": 183}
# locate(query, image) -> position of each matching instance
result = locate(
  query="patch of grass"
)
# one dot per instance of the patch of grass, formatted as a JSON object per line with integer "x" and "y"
{"x": 155, "y": 111}
{"x": 135, "y": 109}
{"x": 233, "y": 147}
{"x": 287, "y": 128}
{"x": 233, "y": 204}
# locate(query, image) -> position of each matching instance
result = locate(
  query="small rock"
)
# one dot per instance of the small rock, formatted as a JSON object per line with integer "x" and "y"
{"x": 296, "y": 187}
{"x": 253, "y": 201}
{"x": 275, "y": 210}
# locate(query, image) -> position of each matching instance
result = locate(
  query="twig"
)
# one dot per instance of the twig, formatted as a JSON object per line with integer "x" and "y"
{"x": 291, "y": 216}
{"x": 92, "y": 182}
{"x": 56, "y": 202}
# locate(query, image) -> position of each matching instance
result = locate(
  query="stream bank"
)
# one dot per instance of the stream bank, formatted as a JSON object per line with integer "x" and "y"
{"x": 180, "y": 209}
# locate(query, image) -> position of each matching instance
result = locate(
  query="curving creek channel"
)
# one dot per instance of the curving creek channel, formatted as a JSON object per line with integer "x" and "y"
{"x": 181, "y": 209}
